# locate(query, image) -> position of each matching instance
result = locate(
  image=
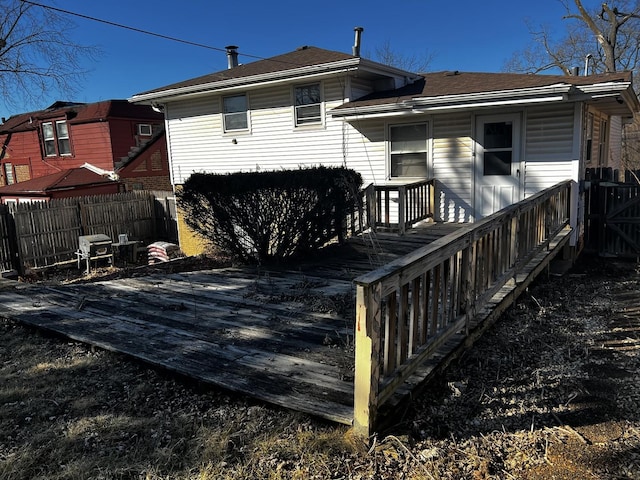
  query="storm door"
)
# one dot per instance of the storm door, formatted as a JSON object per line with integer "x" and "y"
{"x": 497, "y": 163}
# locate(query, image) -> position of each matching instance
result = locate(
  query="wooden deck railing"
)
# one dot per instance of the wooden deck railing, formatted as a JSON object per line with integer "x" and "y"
{"x": 407, "y": 309}
{"x": 398, "y": 207}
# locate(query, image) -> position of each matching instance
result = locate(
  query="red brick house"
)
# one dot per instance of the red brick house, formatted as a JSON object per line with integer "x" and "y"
{"x": 67, "y": 135}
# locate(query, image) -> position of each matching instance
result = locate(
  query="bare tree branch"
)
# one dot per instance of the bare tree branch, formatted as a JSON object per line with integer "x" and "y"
{"x": 386, "y": 55}
{"x": 37, "y": 55}
{"x": 610, "y": 34}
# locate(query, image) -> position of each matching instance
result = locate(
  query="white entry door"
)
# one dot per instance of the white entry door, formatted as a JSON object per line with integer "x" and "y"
{"x": 497, "y": 163}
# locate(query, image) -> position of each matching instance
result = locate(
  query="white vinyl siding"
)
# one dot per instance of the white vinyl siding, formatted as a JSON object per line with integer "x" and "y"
{"x": 550, "y": 144}
{"x": 360, "y": 88}
{"x": 615, "y": 143}
{"x": 197, "y": 144}
{"x": 549, "y": 147}
{"x": 452, "y": 166}
{"x": 364, "y": 148}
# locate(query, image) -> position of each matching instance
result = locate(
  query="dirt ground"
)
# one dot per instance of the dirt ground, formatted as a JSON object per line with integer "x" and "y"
{"x": 551, "y": 391}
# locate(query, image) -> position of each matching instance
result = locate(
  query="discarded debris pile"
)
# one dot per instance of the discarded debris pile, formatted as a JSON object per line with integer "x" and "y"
{"x": 159, "y": 252}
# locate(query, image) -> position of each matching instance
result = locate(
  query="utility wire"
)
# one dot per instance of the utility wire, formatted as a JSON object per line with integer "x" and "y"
{"x": 134, "y": 29}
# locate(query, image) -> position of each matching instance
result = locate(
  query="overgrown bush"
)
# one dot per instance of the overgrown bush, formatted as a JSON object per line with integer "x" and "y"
{"x": 264, "y": 216}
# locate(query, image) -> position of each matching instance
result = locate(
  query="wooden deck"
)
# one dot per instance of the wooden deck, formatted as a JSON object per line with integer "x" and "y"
{"x": 282, "y": 335}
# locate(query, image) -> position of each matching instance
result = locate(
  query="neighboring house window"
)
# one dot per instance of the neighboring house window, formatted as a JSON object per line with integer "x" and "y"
{"x": 235, "y": 113}
{"x": 8, "y": 174}
{"x": 408, "y": 150}
{"x": 56, "y": 138}
{"x": 145, "y": 130}
{"x": 308, "y": 105}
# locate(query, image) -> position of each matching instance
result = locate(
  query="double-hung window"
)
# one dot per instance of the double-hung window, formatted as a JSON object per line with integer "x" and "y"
{"x": 235, "y": 113}
{"x": 308, "y": 105}
{"x": 8, "y": 174}
{"x": 56, "y": 138}
{"x": 408, "y": 150}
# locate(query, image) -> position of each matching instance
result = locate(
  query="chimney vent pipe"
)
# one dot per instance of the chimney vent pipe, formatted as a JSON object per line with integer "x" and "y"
{"x": 232, "y": 56}
{"x": 587, "y": 57}
{"x": 356, "y": 44}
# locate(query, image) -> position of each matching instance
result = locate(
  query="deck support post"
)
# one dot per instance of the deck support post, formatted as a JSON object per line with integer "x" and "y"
{"x": 367, "y": 361}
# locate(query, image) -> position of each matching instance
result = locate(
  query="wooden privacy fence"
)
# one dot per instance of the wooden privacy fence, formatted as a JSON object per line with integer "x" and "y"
{"x": 46, "y": 233}
{"x": 612, "y": 214}
{"x": 409, "y": 308}
{"x": 398, "y": 207}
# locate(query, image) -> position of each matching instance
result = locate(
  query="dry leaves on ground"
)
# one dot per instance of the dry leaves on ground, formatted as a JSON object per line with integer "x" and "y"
{"x": 552, "y": 390}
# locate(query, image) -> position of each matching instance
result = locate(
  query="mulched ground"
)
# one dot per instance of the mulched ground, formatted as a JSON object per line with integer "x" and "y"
{"x": 551, "y": 391}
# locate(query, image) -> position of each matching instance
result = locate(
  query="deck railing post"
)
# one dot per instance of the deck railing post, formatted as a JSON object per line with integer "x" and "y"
{"x": 402, "y": 202}
{"x": 372, "y": 208}
{"x": 367, "y": 358}
{"x": 431, "y": 207}
{"x": 467, "y": 294}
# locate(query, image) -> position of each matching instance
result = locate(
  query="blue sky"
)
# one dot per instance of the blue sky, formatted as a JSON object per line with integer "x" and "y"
{"x": 469, "y": 35}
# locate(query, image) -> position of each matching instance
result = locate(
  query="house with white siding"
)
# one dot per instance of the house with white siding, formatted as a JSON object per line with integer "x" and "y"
{"x": 488, "y": 139}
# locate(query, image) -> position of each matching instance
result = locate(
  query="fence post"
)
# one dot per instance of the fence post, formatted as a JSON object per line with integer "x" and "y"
{"x": 367, "y": 359}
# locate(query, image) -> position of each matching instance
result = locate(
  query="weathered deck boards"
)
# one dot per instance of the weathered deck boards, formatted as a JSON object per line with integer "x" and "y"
{"x": 283, "y": 335}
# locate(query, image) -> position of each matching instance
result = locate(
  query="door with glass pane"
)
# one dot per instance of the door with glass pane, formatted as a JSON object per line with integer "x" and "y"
{"x": 497, "y": 163}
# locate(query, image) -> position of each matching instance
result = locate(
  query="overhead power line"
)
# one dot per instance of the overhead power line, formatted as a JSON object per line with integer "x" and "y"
{"x": 134, "y": 29}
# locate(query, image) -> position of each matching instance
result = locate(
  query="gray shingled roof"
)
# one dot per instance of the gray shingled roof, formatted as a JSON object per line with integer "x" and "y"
{"x": 302, "y": 57}
{"x": 441, "y": 84}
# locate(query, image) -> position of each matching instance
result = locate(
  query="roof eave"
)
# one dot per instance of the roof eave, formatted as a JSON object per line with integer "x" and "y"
{"x": 281, "y": 75}
{"x": 381, "y": 69}
{"x": 551, "y": 93}
{"x": 619, "y": 94}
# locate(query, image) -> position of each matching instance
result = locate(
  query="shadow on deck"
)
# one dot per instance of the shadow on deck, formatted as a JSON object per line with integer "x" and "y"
{"x": 295, "y": 337}
{"x": 281, "y": 335}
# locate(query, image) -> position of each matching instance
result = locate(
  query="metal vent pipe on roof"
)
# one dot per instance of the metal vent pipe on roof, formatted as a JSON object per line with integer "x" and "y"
{"x": 356, "y": 44}
{"x": 232, "y": 55}
{"x": 587, "y": 57}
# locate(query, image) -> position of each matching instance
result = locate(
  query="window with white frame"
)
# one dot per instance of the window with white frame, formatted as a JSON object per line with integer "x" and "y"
{"x": 308, "y": 104}
{"x": 55, "y": 137}
{"x": 49, "y": 139}
{"x": 408, "y": 150}
{"x": 8, "y": 174}
{"x": 235, "y": 113}
{"x": 145, "y": 130}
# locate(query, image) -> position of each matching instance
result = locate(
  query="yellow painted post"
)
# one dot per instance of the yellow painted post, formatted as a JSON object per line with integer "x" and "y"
{"x": 190, "y": 242}
{"x": 367, "y": 366}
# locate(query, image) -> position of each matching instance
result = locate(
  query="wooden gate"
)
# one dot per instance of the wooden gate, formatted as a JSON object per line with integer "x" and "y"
{"x": 612, "y": 214}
